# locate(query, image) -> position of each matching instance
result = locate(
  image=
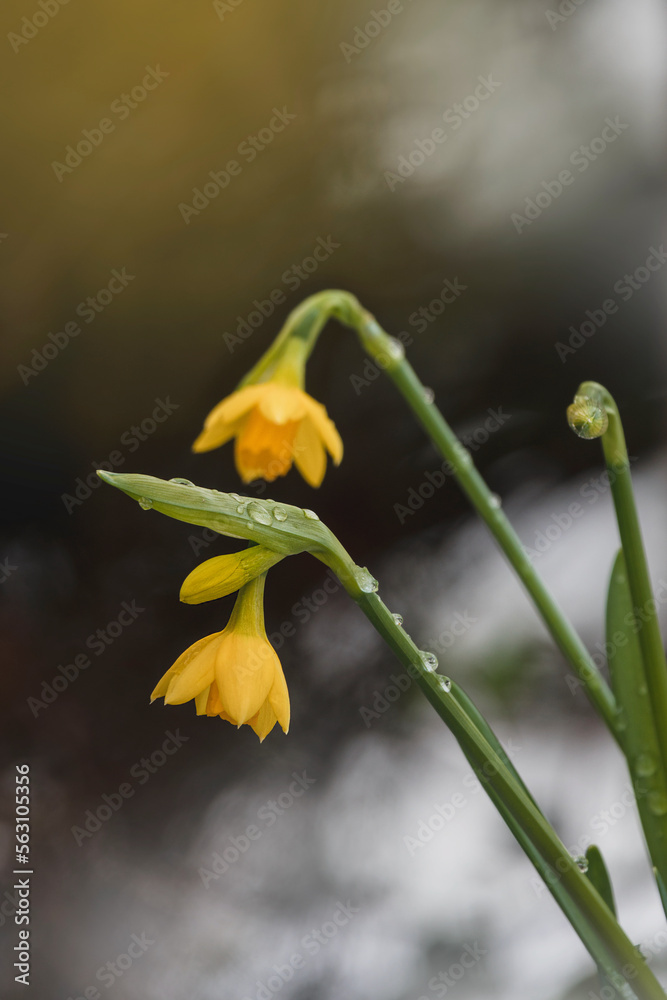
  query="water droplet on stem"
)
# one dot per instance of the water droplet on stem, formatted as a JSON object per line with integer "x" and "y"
{"x": 259, "y": 513}
{"x": 365, "y": 581}
{"x": 430, "y": 660}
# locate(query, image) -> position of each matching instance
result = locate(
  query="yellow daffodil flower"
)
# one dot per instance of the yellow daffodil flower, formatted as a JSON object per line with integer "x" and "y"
{"x": 275, "y": 423}
{"x": 236, "y": 673}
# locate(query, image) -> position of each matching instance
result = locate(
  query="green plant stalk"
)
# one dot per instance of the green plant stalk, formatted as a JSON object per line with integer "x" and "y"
{"x": 594, "y": 398}
{"x": 295, "y": 531}
{"x": 305, "y": 323}
{"x": 475, "y": 488}
{"x": 614, "y": 954}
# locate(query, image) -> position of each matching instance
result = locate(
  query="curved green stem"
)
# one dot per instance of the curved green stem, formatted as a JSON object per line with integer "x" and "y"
{"x": 595, "y": 414}
{"x": 305, "y": 323}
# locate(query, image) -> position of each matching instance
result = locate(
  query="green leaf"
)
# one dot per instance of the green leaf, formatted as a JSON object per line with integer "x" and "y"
{"x": 662, "y": 889}
{"x": 599, "y": 876}
{"x": 284, "y": 529}
{"x": 639, "y": 737}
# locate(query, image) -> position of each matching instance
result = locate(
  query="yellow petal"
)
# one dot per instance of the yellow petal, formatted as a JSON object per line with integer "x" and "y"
{"x": 216, "y": 435}
{"x": 281, "y": 404}
{"x": 235, "y": 405}
{"x": 181, "y": 663}
{"x": 226, "y": 574}
{"x": 264, "y": 721}
{"x": 201, "y": 700}
{"x": 326, "y": 429}
{"x": 198, "y": 673}
{"x": 279, "y": 698}
{"x": 244, "y": 672}
{"x": 309, "y": 455}
{"x": 225, "y": 420}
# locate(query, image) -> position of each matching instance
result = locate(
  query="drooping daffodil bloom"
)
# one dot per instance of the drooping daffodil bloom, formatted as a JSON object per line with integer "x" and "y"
{"x": 234, "y": 674}
{"x": 275, "y": 423}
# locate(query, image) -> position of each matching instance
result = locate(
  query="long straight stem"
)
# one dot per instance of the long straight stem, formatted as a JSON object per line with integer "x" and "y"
{"x": 475, "y": 488}
{"x": 613, "y": 952}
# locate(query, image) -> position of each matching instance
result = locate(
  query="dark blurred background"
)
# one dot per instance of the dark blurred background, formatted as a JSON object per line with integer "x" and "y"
{"x": 343, "y": 100}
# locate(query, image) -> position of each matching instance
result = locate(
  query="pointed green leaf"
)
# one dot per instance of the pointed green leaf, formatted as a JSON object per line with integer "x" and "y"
{"x": 599, "y": 876}
{"x": 638, "y": 726}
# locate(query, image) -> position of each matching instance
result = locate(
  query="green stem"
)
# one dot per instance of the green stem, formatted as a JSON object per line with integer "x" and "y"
{"x": 595, "y": 414}
{"x": 306, "y": 323}
{"x": 487, "y": 507}
{"x": 612, "y": 951}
